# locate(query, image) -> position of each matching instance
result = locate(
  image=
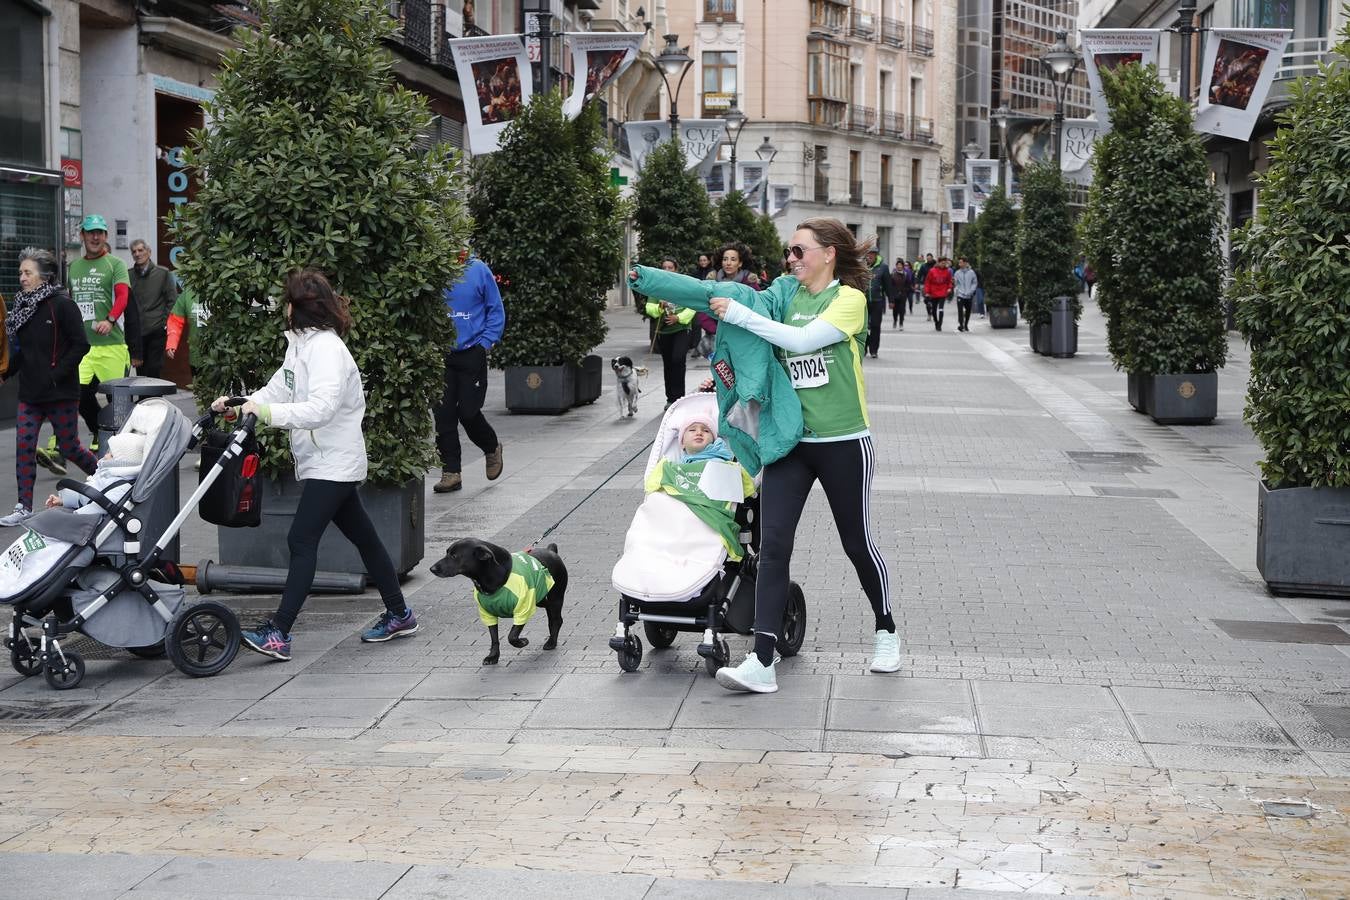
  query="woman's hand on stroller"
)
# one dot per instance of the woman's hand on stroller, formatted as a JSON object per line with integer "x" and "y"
{"x": 232, "y": 407}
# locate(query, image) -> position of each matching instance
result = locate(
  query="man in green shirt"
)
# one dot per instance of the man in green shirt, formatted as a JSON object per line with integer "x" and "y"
{"x": 101, "y": 288}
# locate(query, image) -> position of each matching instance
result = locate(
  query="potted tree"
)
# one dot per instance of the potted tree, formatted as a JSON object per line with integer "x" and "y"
{"x": 671, "y": 209}
{"x": 1151, "y": 233}
{"x": 1045, "y": 250}
{"x": 312, "y": 159}
{"x": 998, "y": 259}
{"x": 736, "y": 221}
{"x": 554, "y": 268}
{"x": 1293, "y": 306}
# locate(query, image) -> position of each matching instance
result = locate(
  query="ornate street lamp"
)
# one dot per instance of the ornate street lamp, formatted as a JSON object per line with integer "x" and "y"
{"x": 735, "y": 120}
{"x": 672, "y": 61}
{"x": 1061, "y": 61}
{"x": 765, "y": 151}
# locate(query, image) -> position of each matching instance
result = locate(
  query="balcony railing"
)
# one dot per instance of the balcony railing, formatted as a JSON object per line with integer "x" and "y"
{"x": 417, "y": 27}
{"x": 827, "y": 112}
{"x": 1302, "y": 56}
{"x": 892, "y": 125}
{"x": 855, "y": 193}
{"x": 893, "y": 32}
{"x": 921, "y": 129}
{"x": 921, "y": 39}
{"x": 887, "y": 196}
{"x": 916, "y": 198}
{"x": 861, "y": 118}
{"x": 862, "y": 25}
{"x": 822, "y": 187}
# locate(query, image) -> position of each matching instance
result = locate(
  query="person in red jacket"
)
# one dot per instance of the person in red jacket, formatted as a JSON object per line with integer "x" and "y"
{"x": 937, "y": 287}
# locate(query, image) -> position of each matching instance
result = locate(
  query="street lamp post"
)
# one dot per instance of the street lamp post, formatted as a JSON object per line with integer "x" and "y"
{"x": 672, "y": 61}
{"x": 1185, "y": 27}
{"x": 765, "y": 151}
{"x": 735, "y": 120}
{"x": 1062, "y": 62}
{"x": 545, "y": 33}
{"x": 1001, "y": 117}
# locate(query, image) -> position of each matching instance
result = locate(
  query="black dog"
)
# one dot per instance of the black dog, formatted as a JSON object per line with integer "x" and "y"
{"x": 488, "y": 566}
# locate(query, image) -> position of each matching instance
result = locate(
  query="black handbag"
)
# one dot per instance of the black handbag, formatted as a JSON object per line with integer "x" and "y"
{"x": 234, "y": 499}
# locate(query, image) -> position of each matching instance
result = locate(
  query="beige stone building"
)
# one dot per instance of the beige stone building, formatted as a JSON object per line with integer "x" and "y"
{"x": 857, "y": 97}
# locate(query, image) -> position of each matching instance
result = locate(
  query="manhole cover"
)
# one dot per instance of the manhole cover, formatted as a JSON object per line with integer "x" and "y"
{"x": 1287, "y": 809}
{"x": 1283, "y": 632}
{"x": 38, "y": 713}
{"x": 1117, "y": 490}
{"x": 1335, "y": 719}
{"x": 1121, "y": 461}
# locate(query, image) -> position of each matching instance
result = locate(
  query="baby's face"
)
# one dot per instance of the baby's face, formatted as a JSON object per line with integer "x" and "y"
{"x": 696, "y": 437}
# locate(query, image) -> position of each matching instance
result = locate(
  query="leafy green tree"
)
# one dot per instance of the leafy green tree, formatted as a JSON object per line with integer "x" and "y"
{"x": 312, "y": 160}
{"x": 1151, "y": 232}
{"x": 736, "y": 221}
{"x": 1293, "y": 291}
{"x": 672, "y": 212}
{"x": 998, "y": 252}
{"x": 969, "y": 243}
{"x": 1045, "y": 244}
{"x": 549, "y": 224}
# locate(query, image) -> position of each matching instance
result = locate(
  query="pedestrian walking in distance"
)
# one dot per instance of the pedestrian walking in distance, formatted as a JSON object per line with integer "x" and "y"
{"x": 318, "y": 397}
{"x": 475, "y": 306}
{"x": 672, "y": 338}
{"x": 937, "y": 287}
{"x": 965, "y": 283}
{"x": 921, "y": 278}
{"x": 155, "y": 292}
{"x": 880, "y": 289}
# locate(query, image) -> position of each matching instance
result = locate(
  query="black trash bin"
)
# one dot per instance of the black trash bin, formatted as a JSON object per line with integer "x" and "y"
{"x": 123, "y": 395}
{"x": 1063, "y": 329}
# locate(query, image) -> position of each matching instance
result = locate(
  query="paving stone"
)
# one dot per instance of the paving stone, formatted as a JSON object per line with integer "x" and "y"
{"x": 1231, "y": 759}
{"x": 908, "y": 744}
{"x": 622, "y": 688}
{"x": 418, "y": 716}
{"x": 314, "y": 713}
{"x": 289, "y": 878}
{"x": 1052, "y": 696}
{"x": 102, "y": 877}
{"x": 1216, "y": 730}
{"x": 442, "y": 685}
{"x": 640, "y": 711}
{"x": 724, "y": 709}
{"x": 747, "y": 738}
{"x": 915, "y": 716}
{"x": 872, "y": 687}
{"x": 322, "y": 687}
{"x": 1124, "y": 752}
{"x": 1068, "y": 722}
{"x": 430, "y": 883}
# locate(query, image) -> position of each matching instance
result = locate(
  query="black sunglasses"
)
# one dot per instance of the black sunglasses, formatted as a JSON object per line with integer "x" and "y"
{"x": 796, "y": 250}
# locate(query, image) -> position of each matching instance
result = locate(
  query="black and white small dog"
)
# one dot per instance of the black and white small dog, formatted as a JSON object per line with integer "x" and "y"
{"x": 627, "y": 376}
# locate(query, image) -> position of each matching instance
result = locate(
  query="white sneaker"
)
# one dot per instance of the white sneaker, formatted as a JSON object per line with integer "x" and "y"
{"x": 751, "y": 675}
{"x": 18, "y": 517}
{"x": 886, "y": 652}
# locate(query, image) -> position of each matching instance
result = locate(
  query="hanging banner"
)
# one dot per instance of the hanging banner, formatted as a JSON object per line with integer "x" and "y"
{"x": 956, "y": 202}
{"x": 1236, "y": 75}
{"x": 715, "y": 180}
{"x": 494, "y": 70}
{"x": 1080, "y": 135}
{"x": 1108, "y": 48}
{"x": 749, "y": 177}
{"x": 597, "y": 59}
{"x": 780, "y": 195}
{"x": 981, "y": 179}
{"x": 643, "y": 137}
{"x": 699, "y": 137}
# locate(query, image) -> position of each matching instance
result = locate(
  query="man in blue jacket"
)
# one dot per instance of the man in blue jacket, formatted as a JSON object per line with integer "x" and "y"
{"x": 475, "y": 307}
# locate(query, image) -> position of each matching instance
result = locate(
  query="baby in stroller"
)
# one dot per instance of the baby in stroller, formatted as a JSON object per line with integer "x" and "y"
{"x": 688, "y": 556}
{"x": 116, "y": 472}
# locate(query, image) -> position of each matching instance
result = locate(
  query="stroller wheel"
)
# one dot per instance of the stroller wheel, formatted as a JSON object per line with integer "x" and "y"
{"x": 721, "y": 656}
{"x": 630, "y": 657}
{"x": 153, "y": 651}
{"x": 794, "y": 623}
{"x": 203, "y": 638}
{"x": 660, "y": 636}
{"x": 63, "y": 676}
{"x": 24, "y": 660}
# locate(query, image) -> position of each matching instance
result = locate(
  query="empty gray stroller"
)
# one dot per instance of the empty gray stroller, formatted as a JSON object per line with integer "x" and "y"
{"x": 86, "y": 570}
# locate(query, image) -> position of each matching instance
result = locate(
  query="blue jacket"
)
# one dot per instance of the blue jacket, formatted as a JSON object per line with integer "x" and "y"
{"x": 475, "y": 307}
{"x": 759, "y": 414}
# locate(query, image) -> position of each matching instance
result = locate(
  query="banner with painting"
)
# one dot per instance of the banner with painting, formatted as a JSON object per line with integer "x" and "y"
{"x": 981, "y": 179}
{"x": 494, "y": 76}
{"x": 597, "y": 59}
{"x": 956, "y": 202}
{"x": 699, "y": 137}
{"x": 1235, "y": 77}
{"x": 1108, "y": 48}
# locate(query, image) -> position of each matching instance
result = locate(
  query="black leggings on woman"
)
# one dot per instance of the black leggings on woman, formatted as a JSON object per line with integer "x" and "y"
{"x": 844, "y": 469}
{"x": 338, "y": 502}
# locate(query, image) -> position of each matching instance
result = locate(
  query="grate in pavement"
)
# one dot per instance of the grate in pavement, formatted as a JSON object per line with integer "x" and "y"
{"x": 1283, "y": 632}
{"x": 1335, "y": 719}
{"x": 1111, "y": 459}
{"x": 36, "y": 712}
{"x": 1117, "y": 490}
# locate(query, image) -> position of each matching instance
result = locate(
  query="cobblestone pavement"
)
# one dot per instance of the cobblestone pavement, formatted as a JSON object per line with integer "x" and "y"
{"x": 1077, "y": 712}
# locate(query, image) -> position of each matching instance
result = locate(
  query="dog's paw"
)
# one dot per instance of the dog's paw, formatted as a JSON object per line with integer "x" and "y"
{"x": 551, "y": 644}
{"x": 518, "y": 642}
{"x": 491, "y": 659}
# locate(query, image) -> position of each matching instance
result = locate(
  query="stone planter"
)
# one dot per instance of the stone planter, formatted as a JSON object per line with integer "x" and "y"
{"x": 1002, "y": 316}
{"x": 1040, "y": 338}
{"x": 1191, "y": 399}
{"x": 398, "y": 514}
{"x": 590, "y": 380}
{"x": 1135, "y": 392}
{"x": 541, "y": 389}
{"x": 1301, "y": 539}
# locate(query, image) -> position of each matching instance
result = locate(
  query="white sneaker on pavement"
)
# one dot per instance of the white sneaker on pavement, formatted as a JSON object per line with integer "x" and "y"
{"x": 751, "y": 675}
{"x": 886, "y": 652}
{"x": 18, "y": 517}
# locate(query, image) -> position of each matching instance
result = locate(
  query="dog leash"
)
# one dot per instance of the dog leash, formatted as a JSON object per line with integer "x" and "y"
{"x": 643, "y": 449}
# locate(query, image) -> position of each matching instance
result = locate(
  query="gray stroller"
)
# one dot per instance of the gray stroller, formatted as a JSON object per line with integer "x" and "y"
{"x": 87, "y": 570}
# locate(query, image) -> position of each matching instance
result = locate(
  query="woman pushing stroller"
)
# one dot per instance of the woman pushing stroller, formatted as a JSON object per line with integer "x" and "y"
{"x": 817, "y": 325}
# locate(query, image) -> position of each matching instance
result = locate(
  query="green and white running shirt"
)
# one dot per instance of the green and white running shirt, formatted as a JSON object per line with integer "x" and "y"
{"x": 829, "y": 381}
{"x": 91, "y": 287}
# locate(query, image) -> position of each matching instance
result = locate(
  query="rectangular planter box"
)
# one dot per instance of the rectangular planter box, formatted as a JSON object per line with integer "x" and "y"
{"x": 1040, "y": 338}
{"x": 1002, "y": 317}
{"x": 1136, "y": 392}
{"x": 541, "y": 389}
{"x": 590, "y": 380}
{"x": 398, "y": 514}
{"x": 1191, "y": 399}
{"x": 1301, "y": 539}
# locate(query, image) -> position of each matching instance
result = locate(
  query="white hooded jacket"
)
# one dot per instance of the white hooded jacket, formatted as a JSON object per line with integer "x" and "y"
{"x": 317, "y": 395}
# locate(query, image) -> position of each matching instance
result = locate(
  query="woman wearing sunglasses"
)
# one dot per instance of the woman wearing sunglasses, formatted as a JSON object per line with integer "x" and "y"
{"x": 818, "y": 325}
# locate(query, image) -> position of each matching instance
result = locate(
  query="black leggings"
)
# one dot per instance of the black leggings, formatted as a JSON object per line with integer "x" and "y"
{"x": 938, "y": 304}
{"x": 338, "y": 502}
{"x": 844, "y": 469}
{"x": 963, "y": 311}
{"x": 673, "y": 346}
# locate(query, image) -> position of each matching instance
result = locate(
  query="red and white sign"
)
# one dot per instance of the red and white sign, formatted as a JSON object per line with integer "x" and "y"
{"x": 72, "y": 172}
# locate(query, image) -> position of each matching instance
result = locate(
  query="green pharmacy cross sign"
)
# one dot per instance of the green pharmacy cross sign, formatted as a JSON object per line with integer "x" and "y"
{"x": 615, "y": 179}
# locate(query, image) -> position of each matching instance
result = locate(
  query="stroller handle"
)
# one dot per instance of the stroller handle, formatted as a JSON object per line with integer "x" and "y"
{"x": 247, "y": 424}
